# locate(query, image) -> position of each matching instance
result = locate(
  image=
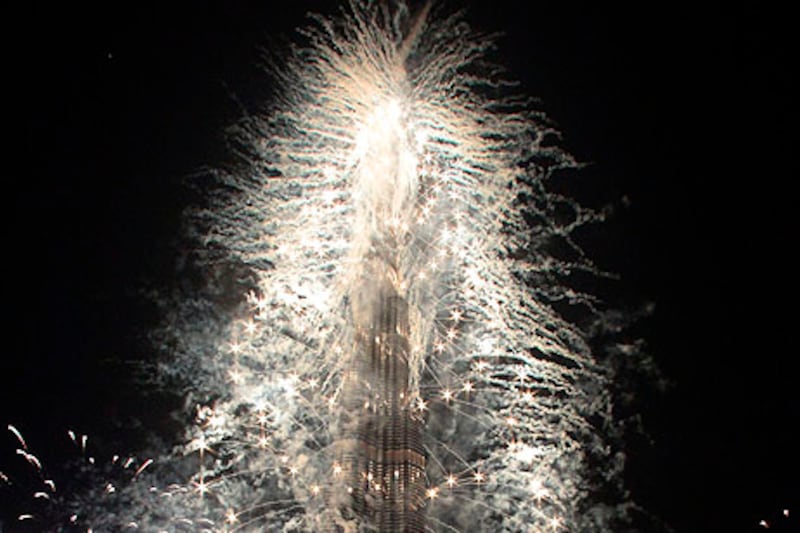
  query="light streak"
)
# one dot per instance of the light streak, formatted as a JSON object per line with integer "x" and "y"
{"x": 32, "y": 459}
{"x": 18, "y": 435}
{"x": 141, "y": 468}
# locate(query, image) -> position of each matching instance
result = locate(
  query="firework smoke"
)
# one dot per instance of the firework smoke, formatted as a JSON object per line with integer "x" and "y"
{"x": 392, "y": 167}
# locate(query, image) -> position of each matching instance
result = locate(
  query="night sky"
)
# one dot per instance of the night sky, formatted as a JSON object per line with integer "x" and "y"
{"x": 682, "y": 110}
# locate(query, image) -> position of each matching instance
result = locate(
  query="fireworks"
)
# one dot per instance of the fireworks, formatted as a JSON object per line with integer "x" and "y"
{"x": 394, "y": 362}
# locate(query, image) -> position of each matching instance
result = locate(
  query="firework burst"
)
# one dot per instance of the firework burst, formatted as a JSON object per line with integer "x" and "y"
{"x": 393, "y": 176}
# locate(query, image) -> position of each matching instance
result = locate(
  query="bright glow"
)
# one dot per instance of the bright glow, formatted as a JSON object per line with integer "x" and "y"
{"x": 202, "y": 487}
{"x": 538, "y": 490}
{"x": 525, "y": 453}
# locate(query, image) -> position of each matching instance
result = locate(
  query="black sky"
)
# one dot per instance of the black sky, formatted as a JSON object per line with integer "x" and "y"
{"x": 683, "y": 109}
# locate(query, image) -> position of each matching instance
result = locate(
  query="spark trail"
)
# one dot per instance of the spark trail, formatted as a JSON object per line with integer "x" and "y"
{"x": 396, "y": 362}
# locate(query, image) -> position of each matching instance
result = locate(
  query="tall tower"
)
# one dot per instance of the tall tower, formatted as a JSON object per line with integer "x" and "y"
{"x": 384, "y": 458}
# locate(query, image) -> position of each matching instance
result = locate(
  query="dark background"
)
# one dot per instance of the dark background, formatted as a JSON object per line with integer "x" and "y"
{"x": 685, "y": 110}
